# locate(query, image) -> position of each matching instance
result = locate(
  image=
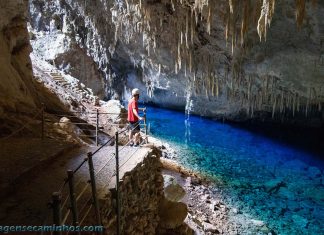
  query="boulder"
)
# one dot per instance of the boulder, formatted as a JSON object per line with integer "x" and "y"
{"x": 172, "y": 214}
{"x": 210, "y": 228}
{"x": 65, "y": 123}
{"x": 174, "y": 192}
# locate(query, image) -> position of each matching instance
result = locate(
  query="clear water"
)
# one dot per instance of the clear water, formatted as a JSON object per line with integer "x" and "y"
{"x": 266, "y": 179}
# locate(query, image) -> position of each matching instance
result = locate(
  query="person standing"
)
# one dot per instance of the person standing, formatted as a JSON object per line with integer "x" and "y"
{"x": 134, "y": 118}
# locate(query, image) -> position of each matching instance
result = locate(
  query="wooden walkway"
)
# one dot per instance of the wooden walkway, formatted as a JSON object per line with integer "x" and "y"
{"x": 28, "y": 204}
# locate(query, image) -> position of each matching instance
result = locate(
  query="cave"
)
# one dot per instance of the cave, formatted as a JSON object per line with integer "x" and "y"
{"x": 162, "y": 116}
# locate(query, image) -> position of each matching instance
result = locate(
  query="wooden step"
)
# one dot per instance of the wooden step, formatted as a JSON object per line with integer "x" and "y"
{"x": 55, "y": 74}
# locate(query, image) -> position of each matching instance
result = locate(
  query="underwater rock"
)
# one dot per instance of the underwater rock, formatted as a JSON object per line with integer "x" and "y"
{"x": 300, "y": 221}
{"x": 283, "y": 192}
{"x": 314, "y": 172}
{"x": 257, "y": 222}
{"x": 273, "y": 186}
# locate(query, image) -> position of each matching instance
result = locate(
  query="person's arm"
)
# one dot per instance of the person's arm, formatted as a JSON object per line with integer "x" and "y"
{"x": 136, "y": 114}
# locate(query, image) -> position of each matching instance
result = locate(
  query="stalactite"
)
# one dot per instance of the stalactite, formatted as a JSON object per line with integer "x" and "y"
{"x": 192, "y": 30}
{"x": 274, "y": 107}
{"x": 300, "y": 12}
{"x": 252, "y": 107}
{"x": 179, "y": 55}
{"x": 264, "y": 21}
{"x": 294, "y": 104}
{"x": 187, "y": 31}
{"x": 298, "y": 102}
{"x": 190, "y": 62}
{"x": 138, "y": 16}
{"x": 209, "y": 18}
{"x": 281, "y": 102}
{"x": 217, "y": 87}
{"x": 319, "y": 102}
{"x": 231, "y": 5}
{"x": 244, "y": 24}
{"x": 260, "y": 100}
{"x": 227, "y": 30}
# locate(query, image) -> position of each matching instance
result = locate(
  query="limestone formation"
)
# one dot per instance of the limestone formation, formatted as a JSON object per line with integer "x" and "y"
{"x": 17, "y": 92}
{"x": 210, "y": 48}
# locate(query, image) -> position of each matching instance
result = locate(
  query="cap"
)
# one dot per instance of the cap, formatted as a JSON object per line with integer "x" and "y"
{"x": 135, "y": 91}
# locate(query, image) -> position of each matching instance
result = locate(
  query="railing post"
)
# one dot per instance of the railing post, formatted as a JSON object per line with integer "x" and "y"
{"x": 93, "y": 188}
{"x": 97, "y": 127}
{"x": 145, "y": 125}
{"x": 74, "y": 210}
{"x": 117, "y": 184}
{"x": 43, "y": 120}
{"x": 56, "y": 203}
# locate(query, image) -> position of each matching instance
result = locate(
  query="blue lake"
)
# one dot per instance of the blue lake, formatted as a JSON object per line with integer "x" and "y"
{"x": 267, "y": 179}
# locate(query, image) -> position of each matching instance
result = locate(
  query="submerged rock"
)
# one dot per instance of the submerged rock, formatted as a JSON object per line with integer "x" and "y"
{"x": 300, "y": 221}
{"x": 314, "y": 172}
{"x": 258, "y": 223}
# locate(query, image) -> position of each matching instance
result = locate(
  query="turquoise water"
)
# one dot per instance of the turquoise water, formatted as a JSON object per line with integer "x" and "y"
{"x": 266, "y": 179}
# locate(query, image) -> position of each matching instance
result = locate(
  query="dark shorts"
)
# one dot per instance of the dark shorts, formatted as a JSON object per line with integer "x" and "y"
{"x": 134, "y": 127}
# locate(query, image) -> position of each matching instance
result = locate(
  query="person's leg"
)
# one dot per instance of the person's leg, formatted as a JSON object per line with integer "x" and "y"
{"x": 131, "y": 134}
{"x": 137, "y": 138}
{"x": 130, "y": 137}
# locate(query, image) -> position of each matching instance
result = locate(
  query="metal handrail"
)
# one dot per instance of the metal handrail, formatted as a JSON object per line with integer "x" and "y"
{"x": 73, "y": 210}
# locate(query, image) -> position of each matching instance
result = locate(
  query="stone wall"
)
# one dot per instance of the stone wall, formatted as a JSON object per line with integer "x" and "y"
{"x": 141, "y": 193}
{"x": 144, "y": 207}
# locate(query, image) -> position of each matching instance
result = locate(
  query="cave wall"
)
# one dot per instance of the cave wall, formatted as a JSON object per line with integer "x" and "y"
{"x": 17, "y": 93}
{"x": 79, "y": 33}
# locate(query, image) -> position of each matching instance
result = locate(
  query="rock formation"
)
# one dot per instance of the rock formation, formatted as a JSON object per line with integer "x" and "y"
{"x": 16, "y": 89}
{"x": 223, "y": 54}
